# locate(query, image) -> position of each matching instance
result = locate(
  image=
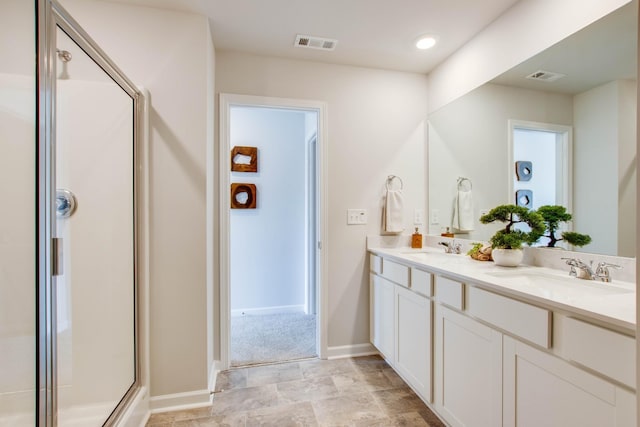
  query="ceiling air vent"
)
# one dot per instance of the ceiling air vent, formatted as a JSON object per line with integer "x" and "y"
{"x": 545, "y": 76}
{"x": 313, "y": 42}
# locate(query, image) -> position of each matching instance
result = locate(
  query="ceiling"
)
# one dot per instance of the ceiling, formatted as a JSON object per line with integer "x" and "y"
{"x": 602, "y": 52}
{"x": 370, "y": 33}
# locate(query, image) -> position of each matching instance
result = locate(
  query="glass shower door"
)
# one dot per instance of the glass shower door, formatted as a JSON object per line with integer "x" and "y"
{"x": 95, "y": 292}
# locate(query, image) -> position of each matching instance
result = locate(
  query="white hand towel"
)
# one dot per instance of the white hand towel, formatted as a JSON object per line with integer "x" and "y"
{"x": 393, "y": 211}
{"x": 463, "y": 212}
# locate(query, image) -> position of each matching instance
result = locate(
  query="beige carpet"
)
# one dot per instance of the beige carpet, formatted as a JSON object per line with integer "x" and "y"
{"x": 270, "y": 338}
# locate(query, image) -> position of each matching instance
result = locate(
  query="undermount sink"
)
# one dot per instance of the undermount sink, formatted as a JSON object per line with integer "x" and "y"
{"x": 566, "y": 285}
{"x": 426, "y": 256}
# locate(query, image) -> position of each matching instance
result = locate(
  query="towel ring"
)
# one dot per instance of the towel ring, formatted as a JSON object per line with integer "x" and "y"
{"x": 390, "y": 179}
{"x": 461, "y": 181}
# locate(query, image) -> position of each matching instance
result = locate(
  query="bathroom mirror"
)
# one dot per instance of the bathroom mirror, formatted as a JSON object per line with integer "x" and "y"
{"x": 585, "y": 83}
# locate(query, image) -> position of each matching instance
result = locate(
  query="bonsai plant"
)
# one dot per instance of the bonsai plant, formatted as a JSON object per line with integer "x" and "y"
{"x": 553, "y": 215}
{"x": 507, "y": 242}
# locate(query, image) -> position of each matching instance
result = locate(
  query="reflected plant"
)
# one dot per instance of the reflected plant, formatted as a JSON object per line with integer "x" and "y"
{"x": 553, "y": 215}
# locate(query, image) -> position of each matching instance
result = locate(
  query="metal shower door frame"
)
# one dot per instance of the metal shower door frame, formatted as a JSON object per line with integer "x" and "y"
{"x": 50, "y": 15}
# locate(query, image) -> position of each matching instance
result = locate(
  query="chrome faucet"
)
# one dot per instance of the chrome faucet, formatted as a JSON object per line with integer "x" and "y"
{"x": 451, "y": 247}
{"x": 602, "y": 271}
{"x": 582, "y": 270}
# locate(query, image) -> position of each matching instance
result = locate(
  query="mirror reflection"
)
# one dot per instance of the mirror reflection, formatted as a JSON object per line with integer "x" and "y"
{"x": 581, "y": 94}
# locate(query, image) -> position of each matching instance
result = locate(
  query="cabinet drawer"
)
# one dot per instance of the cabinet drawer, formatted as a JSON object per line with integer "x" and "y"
{"x": 421, "y": 282}
{"x": 602, "y": 350}
{"x": 375, "y": 263}
{"x": 395, "y": 272}
{"x": 449, "y": 292}
{"x": 523, "y": 320}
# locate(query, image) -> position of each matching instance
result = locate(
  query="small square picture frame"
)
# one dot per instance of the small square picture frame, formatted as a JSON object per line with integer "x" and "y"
{"x": 251, "y": 152}
{"x": 238, "y": 188}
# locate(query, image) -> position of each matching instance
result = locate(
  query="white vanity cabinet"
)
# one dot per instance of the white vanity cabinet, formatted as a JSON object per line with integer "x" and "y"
{"x": 401, "y": 321}
{"x": 413, "y": 340}
{"x": 543, "y": 390}
{"x": 480, "y": 356}
{"x": 468, "y": 370}
{"x": 382, "y": 328}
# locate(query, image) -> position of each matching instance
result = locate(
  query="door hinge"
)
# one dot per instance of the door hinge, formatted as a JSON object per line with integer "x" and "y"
{"x": 320, "y": 245}
{"x": 56, "y": 256}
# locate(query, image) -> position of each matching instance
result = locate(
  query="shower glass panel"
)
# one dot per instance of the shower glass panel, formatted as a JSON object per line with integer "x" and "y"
{"x": 95, "y": 294}
{"x": 18, "y": 216}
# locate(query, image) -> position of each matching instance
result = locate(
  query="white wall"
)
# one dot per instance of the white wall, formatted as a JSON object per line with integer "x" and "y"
{"x": 17, "y": 231}
{"x": 469, "y": 137}
{"x": 627, "y": 171}
{"x": 267, "y": 244}
{"x": 526, "y": 29}
{"x": 376, "y": 122}
{"x": 170, "y": 54}
{"x": 540, "y": 148}
{"x": 604, "y": 153}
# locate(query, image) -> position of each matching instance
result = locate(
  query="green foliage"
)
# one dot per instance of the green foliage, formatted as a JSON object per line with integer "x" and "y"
{"x": 553, "y": 215}
{"x": 474, "y": 249}
{"x": 576, "y": 239}
{"x": 509, "y": 238}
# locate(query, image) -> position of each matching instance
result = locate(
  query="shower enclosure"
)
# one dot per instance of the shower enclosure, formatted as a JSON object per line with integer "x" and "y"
{"x": 70, "y": 346}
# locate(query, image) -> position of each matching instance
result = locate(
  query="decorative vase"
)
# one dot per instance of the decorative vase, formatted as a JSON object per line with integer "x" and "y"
{"x": 507, "y": 257}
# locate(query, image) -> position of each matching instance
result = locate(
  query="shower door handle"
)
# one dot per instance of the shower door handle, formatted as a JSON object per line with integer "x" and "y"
{"x": 56, "y": 256}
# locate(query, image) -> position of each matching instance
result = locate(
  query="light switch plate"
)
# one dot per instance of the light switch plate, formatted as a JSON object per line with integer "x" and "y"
{"x": 357, "y": 216}
{"x": 435, "y": 216}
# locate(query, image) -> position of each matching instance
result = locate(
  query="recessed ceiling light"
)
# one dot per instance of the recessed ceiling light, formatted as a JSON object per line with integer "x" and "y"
{"x": 426, "y": 42}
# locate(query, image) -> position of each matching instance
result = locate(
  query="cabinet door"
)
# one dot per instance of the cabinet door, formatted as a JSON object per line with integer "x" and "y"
{"x": 413, "y": 340}
{"x": 382, "y": 316}
{"x": 542, "y": 390}
{"x": 468, "y": 370}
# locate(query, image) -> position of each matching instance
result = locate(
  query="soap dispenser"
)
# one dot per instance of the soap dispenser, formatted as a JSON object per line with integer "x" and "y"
{"x": 416, "y": 240}
{"x": 447, "y": 233}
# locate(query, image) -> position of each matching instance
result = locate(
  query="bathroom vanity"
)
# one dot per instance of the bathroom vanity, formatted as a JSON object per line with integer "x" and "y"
{"x": 484, "y": 345}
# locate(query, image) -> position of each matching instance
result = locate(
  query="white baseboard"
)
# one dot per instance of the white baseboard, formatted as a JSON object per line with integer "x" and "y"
{"x": 269, "y": 310}
{"x": 180, "y": 401}
{"x": 354, "y": 350}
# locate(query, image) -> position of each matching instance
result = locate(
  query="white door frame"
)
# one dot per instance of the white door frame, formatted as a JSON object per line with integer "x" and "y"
{"x": 226, "y": 102}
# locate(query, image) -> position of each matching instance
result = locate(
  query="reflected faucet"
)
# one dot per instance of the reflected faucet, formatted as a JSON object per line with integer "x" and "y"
{"x": 451, "y": 247}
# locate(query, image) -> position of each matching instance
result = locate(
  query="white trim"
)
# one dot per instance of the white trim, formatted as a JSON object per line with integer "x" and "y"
{"x": 214, "y": 370}
{"x": 226, "y": 101}
{"x": 566, "y": 133}
{"x": 268, "y": 310}
{"x": 354, "y": 350}
{"x": 180, "y": 401}
{"x": 137, "y": 413}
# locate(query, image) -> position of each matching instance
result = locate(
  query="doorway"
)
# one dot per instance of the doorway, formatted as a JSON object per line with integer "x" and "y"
{"x": 540, "y": 164}
{"x": 272, "y": 183}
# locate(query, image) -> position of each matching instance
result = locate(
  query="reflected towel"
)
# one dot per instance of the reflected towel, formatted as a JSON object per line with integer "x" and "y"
{"x": 393, "y": 211}
{"x": 463, "y": 212}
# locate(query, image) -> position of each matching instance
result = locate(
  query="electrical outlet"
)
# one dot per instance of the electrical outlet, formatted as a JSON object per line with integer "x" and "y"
{"x": 357, "y": 216}
{"x": 418, "y": 216}
{"x": 435, "y": 216}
